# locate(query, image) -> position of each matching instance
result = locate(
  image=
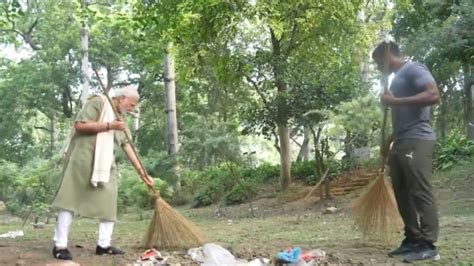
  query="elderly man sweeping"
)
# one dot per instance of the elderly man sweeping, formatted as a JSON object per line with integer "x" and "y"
{"x": 89, "y": 179}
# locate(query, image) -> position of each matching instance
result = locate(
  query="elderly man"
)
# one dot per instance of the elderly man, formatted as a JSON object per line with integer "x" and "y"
{"x": 412, "y": 92}
{"x": 89, "y": 179}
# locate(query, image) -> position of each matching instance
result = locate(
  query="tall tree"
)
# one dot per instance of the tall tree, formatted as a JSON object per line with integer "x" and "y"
{"x": 171, "y": 121}
{"x": 85, "y": 69}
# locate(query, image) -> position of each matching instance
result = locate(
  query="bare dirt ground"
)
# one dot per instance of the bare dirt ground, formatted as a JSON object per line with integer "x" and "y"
{"x": 281, "y": 221}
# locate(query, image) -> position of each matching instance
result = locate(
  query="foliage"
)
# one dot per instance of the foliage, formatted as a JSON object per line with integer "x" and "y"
{"x": 360, "y": 117}
{"x": 207, "y": 142}
{"x": 9, "y": 178}
{"x": 31, "y": 188}
{"x": 220, "y": 184}
{"x": 452, "y": 150}
{"x": 439, "y": 34}
{"x": 133, "y": 193}
{"x": 212, "y": 183}
{"x": 241, "y": 67}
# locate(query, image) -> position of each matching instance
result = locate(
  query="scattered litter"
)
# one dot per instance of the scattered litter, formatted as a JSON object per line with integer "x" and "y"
{"x": 151, "y": 254}
{"x": 290, "y": 255}
{"x": 330, "y": 210}
{"x": 151, "y": 257}
{"x": 12, "y": 234}
{"x": 259, "y": 262}
{"x": 215, "y": 255}
{"x": 196, "y": 254}
{"x": 296, "y": 257}
{"x": 313, "y": 255}
{"x": 229, "y": 221}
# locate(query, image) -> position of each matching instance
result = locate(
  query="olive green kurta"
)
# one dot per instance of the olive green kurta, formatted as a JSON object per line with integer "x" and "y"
{"x": 76, "y": 192}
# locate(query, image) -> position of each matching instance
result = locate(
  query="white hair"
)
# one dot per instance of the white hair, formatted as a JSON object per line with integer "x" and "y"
{"x": 127, "y": 92}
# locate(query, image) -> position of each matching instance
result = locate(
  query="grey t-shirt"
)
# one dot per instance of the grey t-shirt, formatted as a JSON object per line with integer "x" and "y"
{"x": 411, "y": 122}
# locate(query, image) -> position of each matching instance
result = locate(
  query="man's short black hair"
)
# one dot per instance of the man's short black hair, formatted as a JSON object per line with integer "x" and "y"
{"x": 379, "y": 51}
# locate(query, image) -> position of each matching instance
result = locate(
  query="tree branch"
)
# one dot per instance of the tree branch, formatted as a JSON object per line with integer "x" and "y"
{"x": 110, "y": 78}
{"x": 33, "y": 25}
{"x": 259, "y": 92}
{"x": 26, "y": 36}
{"x": 43, "y": 128}
{"x": 277, "y": 147}
{"x": 296, "y": 142}
{"x": 292, "y": 44}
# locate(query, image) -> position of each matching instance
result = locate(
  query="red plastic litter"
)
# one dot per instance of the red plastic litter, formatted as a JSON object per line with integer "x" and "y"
{"x": 151, "y": 254}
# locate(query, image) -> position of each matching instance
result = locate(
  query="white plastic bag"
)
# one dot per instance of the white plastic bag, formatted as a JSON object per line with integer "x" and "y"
{"x": 196, "y": 254}
{"x": 13, "y": 234}
{"x": 215, "y": 255}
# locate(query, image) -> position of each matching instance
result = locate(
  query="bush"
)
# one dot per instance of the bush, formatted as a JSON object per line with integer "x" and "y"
{"x": 453, "y": 149}
{"x": 212, "y": 185}
{"x": 29, "y": 190}
{"x": 9, "y": 179}
{"x": 305, "y": 171}
{"x": 221, "y": 183}
{"x": 266, "y": 171}
{"x": 240, "y": 193}
{"x": 132, "y": 191}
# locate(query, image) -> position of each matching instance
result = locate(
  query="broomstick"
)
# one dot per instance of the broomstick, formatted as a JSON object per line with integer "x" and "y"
{"x": 168, "y": 227}
{"x": 375, "y": 211}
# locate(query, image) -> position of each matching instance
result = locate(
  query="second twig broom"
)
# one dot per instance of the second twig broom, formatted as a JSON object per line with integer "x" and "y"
{"x": 168, "y": 228}
{"x": 375, "y": 212}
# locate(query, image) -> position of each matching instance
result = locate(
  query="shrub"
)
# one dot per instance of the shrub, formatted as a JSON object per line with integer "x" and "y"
{"x": 305, "y": 171}
{"x": 453, "y": 149}
{"x": 239, "y": 193}
{"x": 132, "y": 191}
{"x": 31, "y": 188}
{"x": 267, "y": 171}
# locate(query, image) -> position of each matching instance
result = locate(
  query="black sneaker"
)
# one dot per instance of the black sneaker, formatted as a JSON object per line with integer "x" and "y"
{"x": 109, "y": 251}
{"x": 62, "y": 254}
{"x": 406, "y": 247}
{"x": 424, "y": 252}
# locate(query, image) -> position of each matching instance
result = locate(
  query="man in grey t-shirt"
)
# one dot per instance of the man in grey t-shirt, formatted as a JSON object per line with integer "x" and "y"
{"x": 412, "y": 92}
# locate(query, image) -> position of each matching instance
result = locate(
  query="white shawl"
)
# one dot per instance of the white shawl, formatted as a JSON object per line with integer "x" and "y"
{"x": 104, "y": 147}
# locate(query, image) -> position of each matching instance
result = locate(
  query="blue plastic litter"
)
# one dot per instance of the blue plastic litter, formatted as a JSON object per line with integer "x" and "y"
{"x": 291, "y": 255}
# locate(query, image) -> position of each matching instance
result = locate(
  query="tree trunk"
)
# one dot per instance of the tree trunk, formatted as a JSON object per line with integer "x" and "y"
{"x": 172, "y": 125}
{"x": 348, "y": 147}
{"x": 52, "y": 133}
{"x": 304, "y": 150}
{"x": 468, "y": 84}
{"x": 317, "y": 152}
{"x": 136, "y": 124}
{"x": 442, "y": 116}
{"x": 285, "y": 160}
{"x": 85, "y": 75}
{"x": 278, "y": 63}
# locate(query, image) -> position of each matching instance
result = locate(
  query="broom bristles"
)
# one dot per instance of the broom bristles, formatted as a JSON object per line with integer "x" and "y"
{"x": 376, "y": 213}
{"x": 169, "y": 229}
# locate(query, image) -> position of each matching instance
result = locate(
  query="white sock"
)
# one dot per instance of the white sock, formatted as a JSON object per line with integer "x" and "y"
{"x": 61, "y": 232}
{"x": 105, "y": 233}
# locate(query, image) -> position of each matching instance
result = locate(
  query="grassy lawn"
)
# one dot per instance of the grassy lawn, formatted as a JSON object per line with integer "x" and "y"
{"x": 278, "y": 225}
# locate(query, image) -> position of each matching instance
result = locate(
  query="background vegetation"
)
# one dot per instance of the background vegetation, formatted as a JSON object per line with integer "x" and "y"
{"x": 268, "y": 92}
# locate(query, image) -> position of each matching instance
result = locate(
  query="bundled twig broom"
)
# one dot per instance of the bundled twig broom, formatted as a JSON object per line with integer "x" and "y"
{"x": 168, "y": 228}
{"x": 375, "y": 211}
